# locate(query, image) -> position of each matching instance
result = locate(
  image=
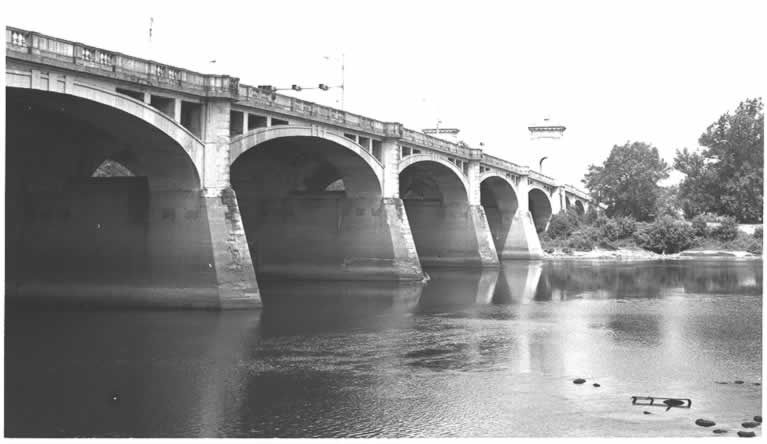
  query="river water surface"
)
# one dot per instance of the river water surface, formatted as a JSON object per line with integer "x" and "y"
{"x": 472, "y": 354}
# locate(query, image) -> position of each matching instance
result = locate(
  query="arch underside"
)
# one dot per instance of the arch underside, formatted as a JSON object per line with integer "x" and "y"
{"x": 312, "y": 208}
{"x": 579, "y": 207}
{"x": 439, "y": 213}
{"x": 540, "y": 208}
{"x": 64, "y": 224}
{"x": 500, "y": 203}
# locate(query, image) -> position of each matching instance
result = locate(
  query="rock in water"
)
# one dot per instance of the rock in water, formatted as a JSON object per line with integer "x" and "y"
{"x": 758, "y": 418}
{"x": 750, "y": 425}
{"x": 704, "y": 422}
{"x": 720, "y": 431}
{"x": 738, "y": 382}
{"x": 746, "y": 434}
{"x": 578, "y": 381}
{"x": 647, "y": 413}
{"x": 597, "y": 385}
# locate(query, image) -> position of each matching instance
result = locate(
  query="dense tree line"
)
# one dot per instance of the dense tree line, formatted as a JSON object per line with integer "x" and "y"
{"x": 724, "y": 178}
{"x": 727, "y": 176}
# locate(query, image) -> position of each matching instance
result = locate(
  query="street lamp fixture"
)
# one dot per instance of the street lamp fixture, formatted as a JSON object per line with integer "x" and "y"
{"x": 270, "y": 89}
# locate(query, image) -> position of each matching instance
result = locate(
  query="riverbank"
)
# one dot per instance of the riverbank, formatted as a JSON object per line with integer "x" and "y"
{"x": 640, "y": 254}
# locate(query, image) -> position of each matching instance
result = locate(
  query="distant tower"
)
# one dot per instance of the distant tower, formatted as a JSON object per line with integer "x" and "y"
{"x": 544, "y": 154}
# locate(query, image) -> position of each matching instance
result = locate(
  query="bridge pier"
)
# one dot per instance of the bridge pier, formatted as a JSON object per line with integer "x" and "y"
{"x": 235, "y": 278}
{"x": 522, "y": 242}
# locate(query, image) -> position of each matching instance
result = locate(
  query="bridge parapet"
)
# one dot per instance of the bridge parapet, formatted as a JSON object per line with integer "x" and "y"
{"x": 578, "y": 193}
{"x": 542, "y": 178}
{"x": 504, "y": 164}
{"x": 33, "y": 46}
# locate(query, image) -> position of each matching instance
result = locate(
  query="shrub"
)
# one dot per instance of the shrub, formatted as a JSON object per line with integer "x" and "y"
{"x": 665, "y": 235}
{"x": 617, "y": 228}
{"x": 562, "y": 225}
{"x": 755, "y": 246}
{"x": 600, "y": 221}
{"x": 626, "y": 227}
{"x": 608, "y": 230}
{"x": 584, "y": 239}
{"x": 758, "y": 233}
{"x": 727, "y": 230}
{"x": 699, "y": 226}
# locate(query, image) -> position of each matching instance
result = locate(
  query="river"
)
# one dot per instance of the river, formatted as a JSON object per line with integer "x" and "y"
{"x": 471, "y": 354}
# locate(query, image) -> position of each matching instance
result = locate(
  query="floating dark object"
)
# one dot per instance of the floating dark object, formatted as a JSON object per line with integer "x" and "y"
{"x": 597, "y": 385}
{"x": 662, "y": 401}
{"x": 757, "y": 383}
{"x": 758, "y": 418}
{"x": 647, "y": 413}
{"x": 746, "y": 434}
{"x": 738, "y": 382}
{"x": 704, "y": 422}
{"x": 750, "y": 424}
{"x": 720, "y": 431}
{"x": 721, "y": 382}
{"x": 578, "y": 381}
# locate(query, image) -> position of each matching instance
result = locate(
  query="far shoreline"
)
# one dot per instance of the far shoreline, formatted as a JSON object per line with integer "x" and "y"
{"x": 638, "y": 254}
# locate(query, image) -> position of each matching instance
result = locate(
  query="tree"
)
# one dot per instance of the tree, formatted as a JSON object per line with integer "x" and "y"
{"x": 727, "y": 176}
{"x": 628, "y": 180}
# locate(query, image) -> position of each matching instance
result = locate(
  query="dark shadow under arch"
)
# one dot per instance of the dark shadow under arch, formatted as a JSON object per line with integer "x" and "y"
{"x": 540, "y": 208}
{"x": 500, "y": 203}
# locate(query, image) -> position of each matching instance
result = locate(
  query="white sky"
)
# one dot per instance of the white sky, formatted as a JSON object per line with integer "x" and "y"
{"x": 653, "y": 71}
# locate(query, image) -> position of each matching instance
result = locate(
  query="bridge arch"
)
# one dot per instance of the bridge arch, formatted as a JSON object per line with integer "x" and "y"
{"x": 311, "y": 204}
{"x": 65, "y": 223}
{"x": 255, "y": 138}
{"x": 191, "y": 145}
{"x": 414, "y": 159}
{"x": 540, "y": 206}
{"x": 579, "y": 208}
{"x": 435, "y": 193}
{"x": 499, "y": 198}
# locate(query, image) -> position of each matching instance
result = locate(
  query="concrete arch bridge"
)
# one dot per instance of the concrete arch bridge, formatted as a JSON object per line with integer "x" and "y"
{"x": 155, "y": 184}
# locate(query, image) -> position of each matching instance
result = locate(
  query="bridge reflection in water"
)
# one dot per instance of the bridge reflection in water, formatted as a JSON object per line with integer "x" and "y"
{"x": 480, "y": 353}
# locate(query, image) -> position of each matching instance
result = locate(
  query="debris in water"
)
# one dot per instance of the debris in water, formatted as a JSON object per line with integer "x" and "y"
{"x": 746, "y": 434}
{"x": 704, "y": 422}
{"x": 668, "y": 402}
{"x": 578, "y": 381}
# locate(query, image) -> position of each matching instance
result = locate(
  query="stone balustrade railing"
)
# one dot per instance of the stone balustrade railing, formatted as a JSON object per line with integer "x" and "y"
{"x": 504, "y": 164}
{"x": 576, "y": 192}
{"x": 118, "y": 64}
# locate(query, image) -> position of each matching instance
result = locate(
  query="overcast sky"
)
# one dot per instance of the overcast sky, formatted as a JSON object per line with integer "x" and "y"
{"x": 652, "y": 71}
